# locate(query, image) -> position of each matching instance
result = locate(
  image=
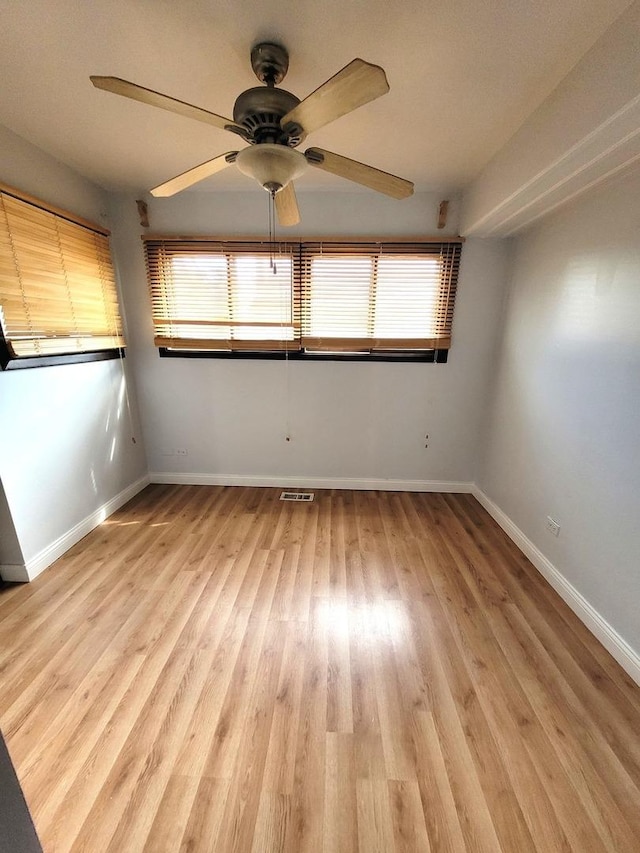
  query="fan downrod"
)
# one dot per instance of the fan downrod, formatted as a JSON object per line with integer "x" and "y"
{"x": 270, "y": 62}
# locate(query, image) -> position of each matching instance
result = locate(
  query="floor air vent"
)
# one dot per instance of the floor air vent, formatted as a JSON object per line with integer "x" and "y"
{"x": 296, "y": 496}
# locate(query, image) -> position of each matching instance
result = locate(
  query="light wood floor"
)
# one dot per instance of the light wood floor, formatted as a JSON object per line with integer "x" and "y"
{"x": 215, "y": 670}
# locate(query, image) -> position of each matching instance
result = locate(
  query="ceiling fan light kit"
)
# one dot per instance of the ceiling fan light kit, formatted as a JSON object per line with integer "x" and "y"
{"x": 272, "y": 166}
{"x": 274, "y": 122}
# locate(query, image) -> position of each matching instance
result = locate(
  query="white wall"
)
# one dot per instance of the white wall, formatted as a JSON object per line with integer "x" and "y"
{"x": 66, "y": 445}
{"x": 564, "y": 431}
{"x": 348, "y": 422}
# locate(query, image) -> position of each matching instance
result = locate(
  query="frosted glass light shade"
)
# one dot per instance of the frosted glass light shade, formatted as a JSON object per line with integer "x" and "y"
{"x": 272, "y": 166}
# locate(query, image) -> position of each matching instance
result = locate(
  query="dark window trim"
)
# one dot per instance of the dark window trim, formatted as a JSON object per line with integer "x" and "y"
{"x": 438, "y": 356}
{"x": 9, "y": 362}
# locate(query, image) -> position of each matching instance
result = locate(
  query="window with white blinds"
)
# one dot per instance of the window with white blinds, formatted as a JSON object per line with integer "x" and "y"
{"x": 307, "y": 297}
{"x": 57, "y": 286}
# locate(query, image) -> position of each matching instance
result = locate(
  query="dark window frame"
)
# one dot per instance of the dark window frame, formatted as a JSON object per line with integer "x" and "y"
{"x": 8, "y": 361}
{"x": 432, "y": 356}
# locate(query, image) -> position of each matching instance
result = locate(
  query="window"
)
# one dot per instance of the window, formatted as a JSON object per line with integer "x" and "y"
{"x": 303, "y": 298}
{"x": 378, "y": 297}
{"x": 57, "y": 287}
{"x": 219, "y": 296}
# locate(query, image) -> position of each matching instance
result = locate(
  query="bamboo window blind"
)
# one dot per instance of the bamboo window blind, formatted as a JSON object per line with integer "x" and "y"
{"x": 57, "y": 285}
{"x": 311, "y": 296}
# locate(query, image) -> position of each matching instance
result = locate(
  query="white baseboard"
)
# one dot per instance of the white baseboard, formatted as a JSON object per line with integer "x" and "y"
{"x": 618, "y": 647}
{"x": 358, "y": 484}
{"x": 33, "y": 567}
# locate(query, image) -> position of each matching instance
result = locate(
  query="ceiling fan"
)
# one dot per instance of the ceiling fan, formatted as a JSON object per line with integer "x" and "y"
{"x": 274, "y": 122}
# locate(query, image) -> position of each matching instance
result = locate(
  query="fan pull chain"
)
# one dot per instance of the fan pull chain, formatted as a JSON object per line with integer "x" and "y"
{"x": 272, "y": 231}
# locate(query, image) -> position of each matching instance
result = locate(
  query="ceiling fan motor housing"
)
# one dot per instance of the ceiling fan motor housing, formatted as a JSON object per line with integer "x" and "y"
{"x": 260, "y": 110}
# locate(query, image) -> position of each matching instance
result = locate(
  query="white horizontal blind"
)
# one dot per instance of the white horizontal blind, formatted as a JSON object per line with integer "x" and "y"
{"x": 57, "y": 286}
{"x": 377, "y": 297}
{"x": 213, "y": 295}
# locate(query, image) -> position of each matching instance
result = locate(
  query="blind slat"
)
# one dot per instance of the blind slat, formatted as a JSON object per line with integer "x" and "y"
{"x": 379, "y": 344}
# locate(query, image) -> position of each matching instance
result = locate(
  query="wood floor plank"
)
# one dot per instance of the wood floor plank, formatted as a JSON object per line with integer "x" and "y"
{"x": 375, "y": 825}
{"x": 229, "y": 727}
{"x": 280, "y": 761}
{"x": 362, "y": 649}
{"x": 172, "y": 815}
{"x": 473, "y": 790}
{"x": 441, "y": 816}
{"x": 322, "y": 549}
{"x": 339, "y": 698}
{"x": 305, "y": 829}
{"x": 281, "y": 606}
{"x": 214, "y": 670}
{"x": 241, "y": 813}
{"x": 409, "y": 827}
{"x": 197, "y": 744}
{"x": 398, "y": 745}
{"x": 340, "y": 803}
{"x": 273, "y": 818}
{"x": 203, "y": 827}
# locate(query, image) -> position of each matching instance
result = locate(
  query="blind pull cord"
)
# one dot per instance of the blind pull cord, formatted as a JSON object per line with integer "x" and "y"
{"x": 272, "y": 231}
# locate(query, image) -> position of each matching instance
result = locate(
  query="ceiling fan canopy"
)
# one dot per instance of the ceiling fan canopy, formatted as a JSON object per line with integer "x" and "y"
{"x": 274, "y": 123}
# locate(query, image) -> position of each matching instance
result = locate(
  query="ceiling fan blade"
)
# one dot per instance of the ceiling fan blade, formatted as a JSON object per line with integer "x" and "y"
{"x": 287, "y": 206}
{"x": 156, "y": 99}
{"x": 360, "y": 173}
{"x": 192, "y": 176}
{"x": 358, "y": 83}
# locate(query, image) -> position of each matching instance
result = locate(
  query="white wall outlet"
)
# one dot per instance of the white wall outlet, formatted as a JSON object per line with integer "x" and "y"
{"x": 180, "y": 451}
{"x": 553, "y": 526}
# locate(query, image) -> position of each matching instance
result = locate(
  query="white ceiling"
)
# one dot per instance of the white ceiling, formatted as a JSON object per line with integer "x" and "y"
{"x": 463, "y": 78}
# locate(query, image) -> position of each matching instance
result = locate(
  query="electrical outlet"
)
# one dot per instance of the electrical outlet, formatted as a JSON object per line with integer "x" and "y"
{"x": 180, "y": 451}
{"x": 552, "y": 526}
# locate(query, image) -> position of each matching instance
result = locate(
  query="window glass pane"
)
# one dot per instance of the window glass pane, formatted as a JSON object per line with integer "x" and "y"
{"x": 260, "y": 295}
{"x": 339, "y": 299}
{"x": 199, "y": 289}
{"x": 406, "y": 297}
